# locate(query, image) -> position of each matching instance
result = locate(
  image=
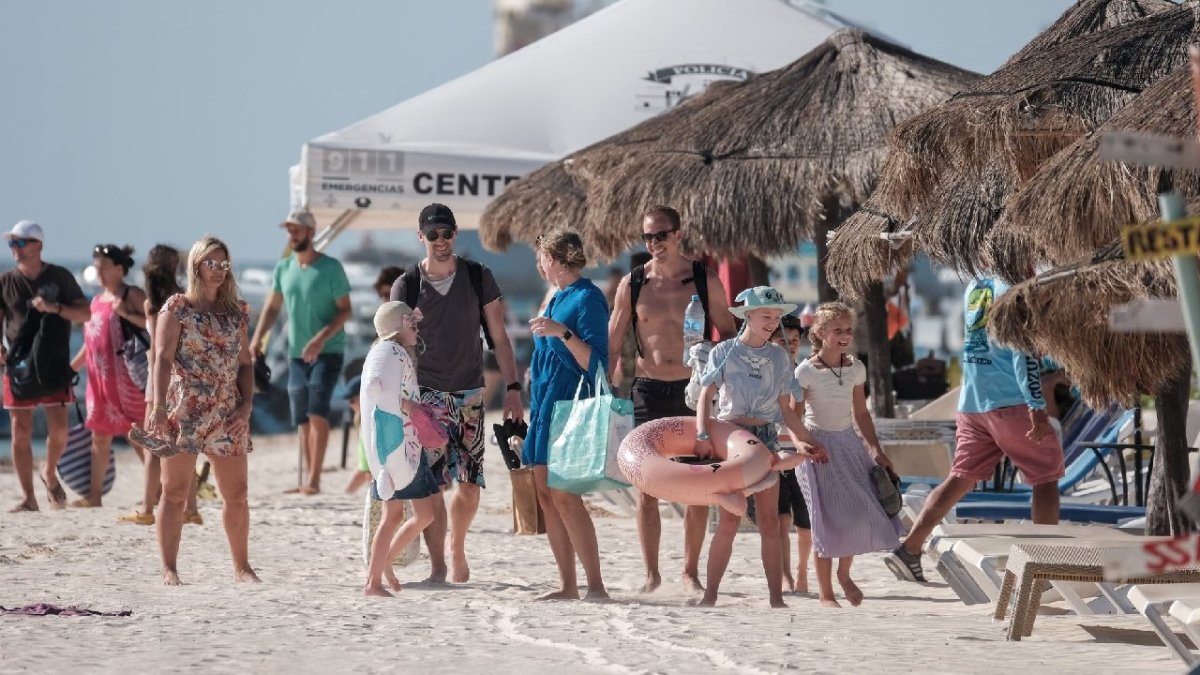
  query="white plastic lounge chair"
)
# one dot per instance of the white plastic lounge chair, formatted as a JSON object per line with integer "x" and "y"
{"x": 1152, "y": 599}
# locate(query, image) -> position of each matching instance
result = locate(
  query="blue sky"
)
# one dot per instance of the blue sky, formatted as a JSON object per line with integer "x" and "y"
{"x": 138, "y": 121}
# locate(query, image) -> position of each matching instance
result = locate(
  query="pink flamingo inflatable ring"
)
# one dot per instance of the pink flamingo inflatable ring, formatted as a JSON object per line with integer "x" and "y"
{"x": 744, "y": 465}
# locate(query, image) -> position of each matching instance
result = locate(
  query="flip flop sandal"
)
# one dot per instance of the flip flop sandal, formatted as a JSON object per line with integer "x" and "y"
{"x": 137, "y": 518}
{"x": 56, "y": 495}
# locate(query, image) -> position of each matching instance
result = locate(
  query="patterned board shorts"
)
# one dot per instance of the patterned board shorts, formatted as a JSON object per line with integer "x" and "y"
{"x": 461, "y": 412}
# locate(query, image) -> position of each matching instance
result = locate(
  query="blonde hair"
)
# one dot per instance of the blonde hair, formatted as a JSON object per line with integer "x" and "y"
{"x": 227, "y": 294}
{"x": 826, "y": 312}
{"x": 564, "y": 247}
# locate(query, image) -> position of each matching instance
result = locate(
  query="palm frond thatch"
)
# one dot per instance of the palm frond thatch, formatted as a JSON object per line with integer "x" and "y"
{"x": 1064, "y": 314}
{"x": 1079, "y": 201}
{"x": 926, "y": 181}
{"x": 750, "y": 168}
{"x": 860, "y": 255}
{"x": 1021, "y": 115}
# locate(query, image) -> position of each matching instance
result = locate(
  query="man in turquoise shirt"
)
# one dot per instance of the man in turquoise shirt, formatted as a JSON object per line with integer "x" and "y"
{"x": 316, "y": 292}
{"x": 1001, "y": 412}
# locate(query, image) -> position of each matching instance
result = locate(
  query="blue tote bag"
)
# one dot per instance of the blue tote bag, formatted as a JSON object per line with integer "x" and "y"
{"x": 585, "y": 435}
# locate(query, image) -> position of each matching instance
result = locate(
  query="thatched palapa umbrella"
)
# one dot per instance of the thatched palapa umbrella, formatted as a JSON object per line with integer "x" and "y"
{"x": 1078, "y": 202}
{"x": 950, "y": 168}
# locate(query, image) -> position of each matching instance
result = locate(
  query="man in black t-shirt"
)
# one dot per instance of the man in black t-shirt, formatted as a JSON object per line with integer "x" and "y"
{"x": 46, "y": 293}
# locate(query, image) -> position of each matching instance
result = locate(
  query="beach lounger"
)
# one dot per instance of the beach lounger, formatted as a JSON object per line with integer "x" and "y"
{"x": 1107, "y": 514}
{"x": 1031, "y": 566}
{"x": 1186, "y": 610}
{"x": 1153, "y": 600}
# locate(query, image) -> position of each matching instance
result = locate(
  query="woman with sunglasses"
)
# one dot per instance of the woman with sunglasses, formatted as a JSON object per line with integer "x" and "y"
{"x": 114, "y": 401}
{"x": 203, "y": 393}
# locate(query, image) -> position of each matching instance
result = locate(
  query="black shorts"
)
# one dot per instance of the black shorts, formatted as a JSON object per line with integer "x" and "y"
{"x": 656, "y": 399}
{"x": 791, "y": 500}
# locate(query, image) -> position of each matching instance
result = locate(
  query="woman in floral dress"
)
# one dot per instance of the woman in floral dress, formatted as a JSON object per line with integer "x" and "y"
{"x": 203, "y": 394}
{"x": 114, "y": 402}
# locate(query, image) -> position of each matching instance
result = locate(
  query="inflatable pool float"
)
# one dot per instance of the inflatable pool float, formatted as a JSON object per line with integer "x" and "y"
{"x": 743, "y": 464}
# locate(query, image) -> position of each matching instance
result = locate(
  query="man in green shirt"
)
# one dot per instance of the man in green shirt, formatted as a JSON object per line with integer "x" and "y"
{"x": 316, "y": 292}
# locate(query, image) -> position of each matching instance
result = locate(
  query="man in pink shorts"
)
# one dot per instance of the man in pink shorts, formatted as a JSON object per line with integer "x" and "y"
{"x": 1001, "y": 412}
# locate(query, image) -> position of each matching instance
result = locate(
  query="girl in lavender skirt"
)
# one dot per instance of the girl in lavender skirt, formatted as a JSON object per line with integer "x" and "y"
{"x": 847, "y": 518}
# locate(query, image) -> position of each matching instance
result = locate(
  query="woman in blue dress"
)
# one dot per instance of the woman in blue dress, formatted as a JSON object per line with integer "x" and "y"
{"x": 570, "y": 342}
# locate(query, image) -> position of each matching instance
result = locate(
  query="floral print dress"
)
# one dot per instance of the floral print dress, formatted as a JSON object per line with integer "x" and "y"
{"x": 114, "y": 402}
{"x": 203, "y": 390}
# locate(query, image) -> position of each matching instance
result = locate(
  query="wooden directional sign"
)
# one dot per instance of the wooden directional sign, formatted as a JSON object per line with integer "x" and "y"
{"x": 1150, "y": 149}
{"x": 1161, "y": 240}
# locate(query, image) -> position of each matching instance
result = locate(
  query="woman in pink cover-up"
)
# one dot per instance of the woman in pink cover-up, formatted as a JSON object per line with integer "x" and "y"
{"x": 114, "y": 401}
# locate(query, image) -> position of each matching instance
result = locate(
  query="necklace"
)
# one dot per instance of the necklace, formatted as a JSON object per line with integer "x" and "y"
{"x": 841, "y": 366}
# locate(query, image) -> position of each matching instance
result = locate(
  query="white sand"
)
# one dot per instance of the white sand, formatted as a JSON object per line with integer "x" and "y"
{"x": 310, "y": 616}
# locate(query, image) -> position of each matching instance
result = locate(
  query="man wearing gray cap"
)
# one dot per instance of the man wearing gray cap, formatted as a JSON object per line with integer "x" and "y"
{"x": 316, "y": 292}
{"x": 38, "y": 303}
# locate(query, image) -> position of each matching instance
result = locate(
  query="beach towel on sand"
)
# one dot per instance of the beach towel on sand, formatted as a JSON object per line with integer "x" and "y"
{"x": 44, "y": 609}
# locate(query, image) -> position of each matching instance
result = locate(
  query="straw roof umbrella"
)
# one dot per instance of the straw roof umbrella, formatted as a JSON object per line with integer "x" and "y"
{"x": 1064, "y": 313}
{"x": 764, "y": 152}
{"x": 964, "y": 157}
{"x": 1078, "y": 201}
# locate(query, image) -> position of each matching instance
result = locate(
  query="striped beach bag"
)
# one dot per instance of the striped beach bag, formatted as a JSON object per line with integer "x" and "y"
{"x": 75, "y": 465}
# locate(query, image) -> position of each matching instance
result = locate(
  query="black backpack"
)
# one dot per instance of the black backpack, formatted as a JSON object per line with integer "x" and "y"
{"x": 412, "y": 291}
{"x": 637, "y": 279}
{"x": 39, "y": 363}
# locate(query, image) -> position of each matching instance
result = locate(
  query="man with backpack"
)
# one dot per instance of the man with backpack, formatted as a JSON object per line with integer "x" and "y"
{"x": 38, "y": 303}
{"x": 651, "y": 300}
{"x": 457, "y": 299}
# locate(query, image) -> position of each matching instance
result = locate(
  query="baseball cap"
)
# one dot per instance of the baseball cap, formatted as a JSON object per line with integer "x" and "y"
{"x": 300, "y": 217}
{"x": 436, "y": 215}
{"x": 390, "y": 318}
{"x": 25, "y": 229}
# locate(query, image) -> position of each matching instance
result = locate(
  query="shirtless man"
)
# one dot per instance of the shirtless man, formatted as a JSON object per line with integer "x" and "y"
{"x": 668, "y": 283}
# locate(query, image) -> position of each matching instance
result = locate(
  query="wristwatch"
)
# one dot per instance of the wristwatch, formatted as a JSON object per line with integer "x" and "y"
{"x": 703, "y": 436}
{"x": 513, "y": 386}
{"x": 567, "y": 334}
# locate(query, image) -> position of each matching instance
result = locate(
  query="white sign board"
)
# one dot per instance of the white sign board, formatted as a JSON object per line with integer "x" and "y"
{"x": 1155, "y": 315}
{"x": 1150, "y": 149}
{"x": 1151, "y": 557}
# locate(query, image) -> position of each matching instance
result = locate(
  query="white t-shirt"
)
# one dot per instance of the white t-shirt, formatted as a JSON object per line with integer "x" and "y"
{"x": 828, "y": 402}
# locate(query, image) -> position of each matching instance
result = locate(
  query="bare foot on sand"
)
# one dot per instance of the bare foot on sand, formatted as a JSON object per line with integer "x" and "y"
{"x": 376, "y": 591}
{"x": 778, "y": 603}
{"x": 460, "y": 572}
{"x": 598, "y": 595}
{"x": 691, "y": 584}
{"x": 653, "y": 581}
{"x": 246, "y": 576}
{"x": 705, "y": 601}
{"x": 801, "y": 585}
{"x": 436, "y": 578}
{"x": 171, "y": 578}
{"x": 560, "y": 595}
{"x": 24, "y": 507}
{"x": 830, "y": 603}
{"x": 308, "y": 491}
{"x": 391, "y": 579}
{"x": 853, "y": 593}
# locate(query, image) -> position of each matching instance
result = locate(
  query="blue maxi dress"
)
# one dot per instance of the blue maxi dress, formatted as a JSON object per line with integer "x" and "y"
{"x": 554, "y": 373}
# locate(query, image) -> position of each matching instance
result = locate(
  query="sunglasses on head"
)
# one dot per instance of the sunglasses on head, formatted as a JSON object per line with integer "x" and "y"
{"x": 440, "y": 233}
{"x": 660, "y": 237}
{"x": 20, "y": 243}
{"x": 223, "y": 265}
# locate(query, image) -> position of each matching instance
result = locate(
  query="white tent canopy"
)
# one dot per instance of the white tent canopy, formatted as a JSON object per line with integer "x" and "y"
{"x": 462, "y": 142}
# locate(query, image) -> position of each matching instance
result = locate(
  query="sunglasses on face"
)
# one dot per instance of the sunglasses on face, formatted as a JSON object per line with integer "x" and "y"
{"x": 212, "y": 265}
{"x": 660, "y": 237}
{"x": 20, "y": 243}
{"x": 443, "y": 233}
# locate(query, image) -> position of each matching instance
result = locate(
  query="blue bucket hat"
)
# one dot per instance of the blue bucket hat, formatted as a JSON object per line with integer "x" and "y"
{"x": 761, "y": 297}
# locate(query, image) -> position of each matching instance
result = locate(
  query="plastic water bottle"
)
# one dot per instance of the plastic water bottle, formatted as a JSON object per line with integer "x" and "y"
{"x": 693, "y": 326}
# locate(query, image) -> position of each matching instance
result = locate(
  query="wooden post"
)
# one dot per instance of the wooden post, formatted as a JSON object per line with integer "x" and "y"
{"x": 879, "y": 353}
{"x": 1169, "y": 477}
{"x": 758, "y": 270}
{"x": 831, "y": 217}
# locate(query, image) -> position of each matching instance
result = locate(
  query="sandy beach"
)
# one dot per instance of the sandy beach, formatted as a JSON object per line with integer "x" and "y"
{"x": 309, "y": 614}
